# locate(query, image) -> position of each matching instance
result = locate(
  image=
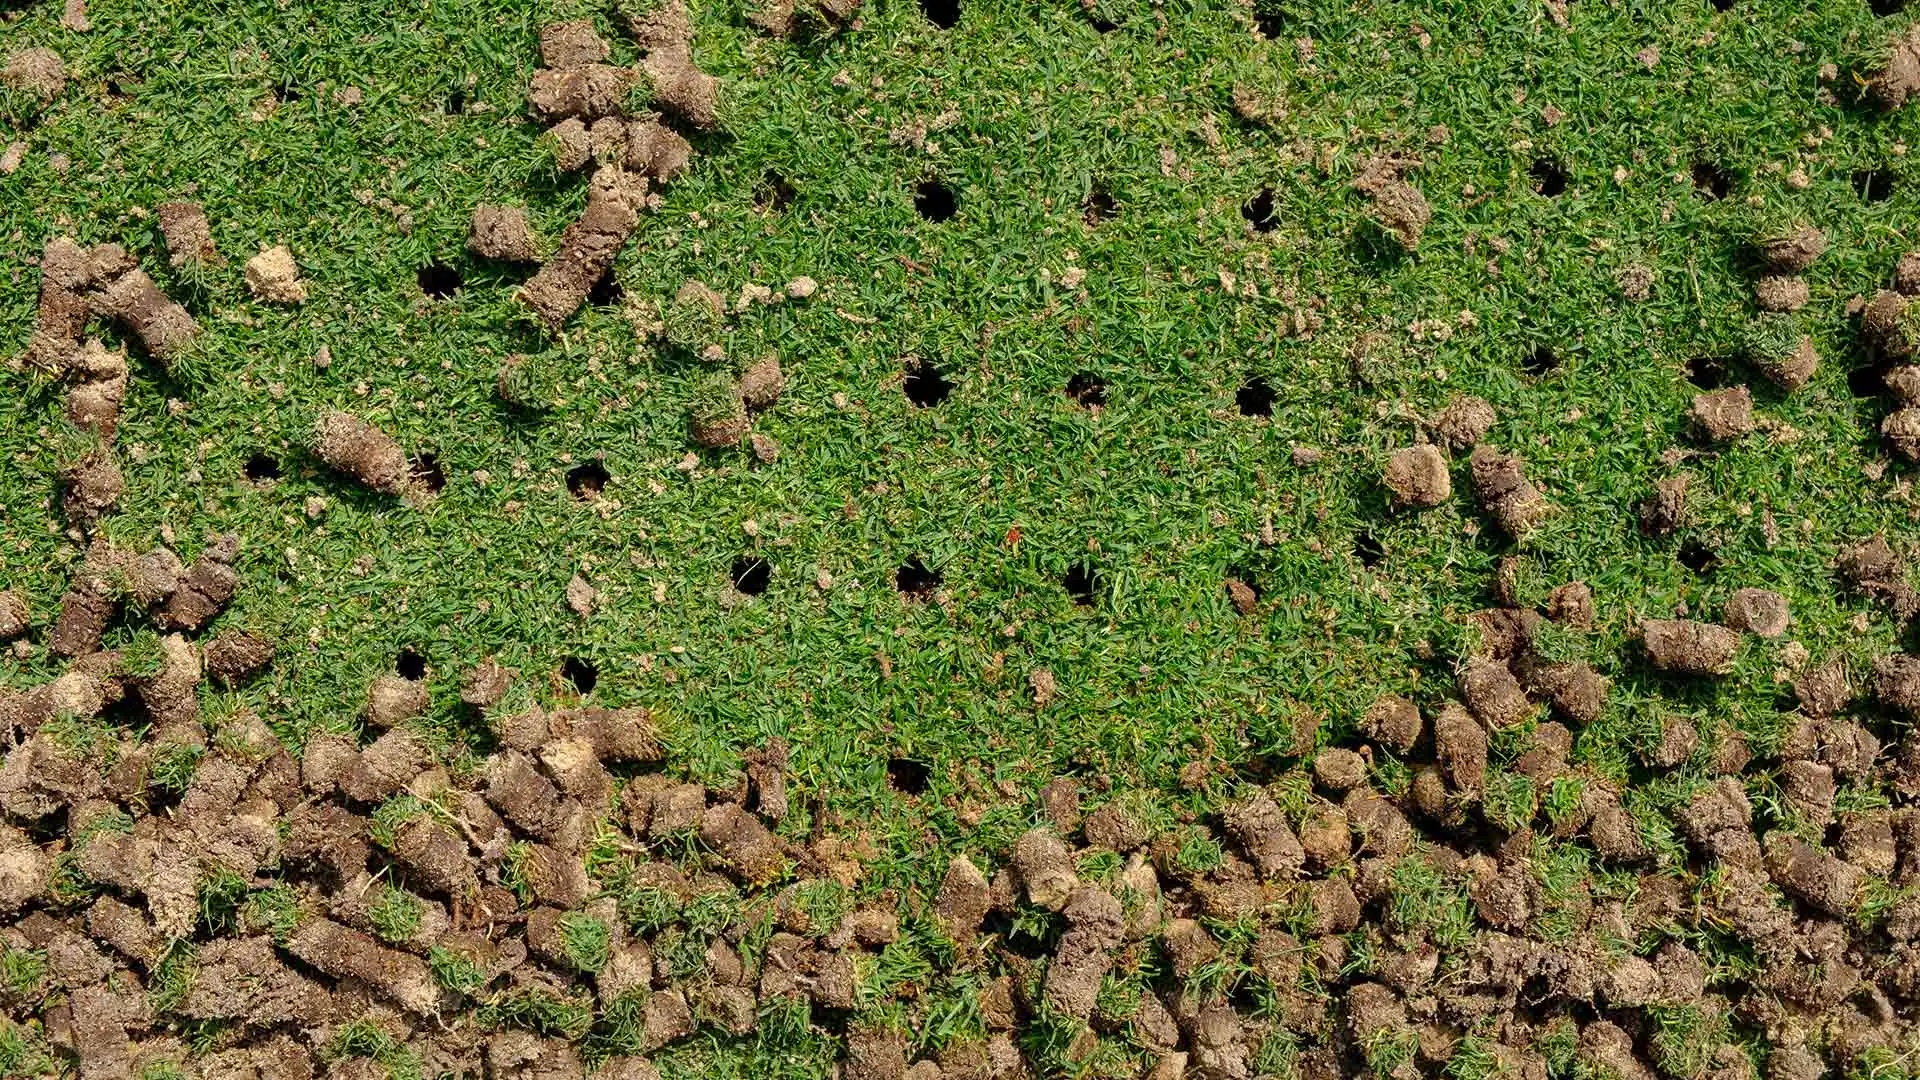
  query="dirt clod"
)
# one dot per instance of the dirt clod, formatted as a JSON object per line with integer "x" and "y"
{"x": 188, "y": 235}
{"x": 37, "y": 71}
{"x": 587, "y": 247}
{"x": 1397, "y": 206}
{"x": 502, "y": 232}
{"x": 762, "y": 384}
{"x": 273, "y": 276}
{"x": 1794, "y": 250}
{"x": 1892, "y": 85}
{"x": 1663, "y": 513}
{"x": 675, "y": 84}
{"x": 1758, "y": 611}
{"x": 362, "y": 451}
{"x": 234, "y": 656}
{"x": 1722, "y": 415}
{"x": 1504, "y": 491}
{"x": 1418, "y": 476}
{"x": 1685, "y": 647}
{"x": 1781, "y": 292}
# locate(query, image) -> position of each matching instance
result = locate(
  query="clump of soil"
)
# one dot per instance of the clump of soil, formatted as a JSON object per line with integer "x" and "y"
{"x": 1892, "y": 85}
{"x": 121, "y": 290}
{"x": 1781, "y": 292}
{"x": 204, "y": 589}
{"x": 653, "y": 149}
{"x": 1504, "y": 491}
{"x": 36, "y": 71}
{"x": 572, "y": 44}
{"x": 1685, "y": 647}
{"x": 1758, "y": 611}
{"x": 502, "y": 232}
{"x": 189, "y": 237}
{"x": 1884, "y": 326}
{"x": 585, "y": 93}
{"x": 273, "y": 276}
{"x": 1418, "y": 477}
{"x": 1722, "y": 415}
{"x": 1464, "y": 423}
{"x": 360, "y": 450}
{"x": 1902, "y": 431}
{"x": 392, "y": 699}
{"x": 1662, "y": 514}
{"x": 235, "y": 656}
{"x": 761, "y": 385}
{"x": 15, "y": 617}
{"x": 1777, "y": 347}
{"x": 1793, "y": 250}
{"x": 99, "y": 389}
{"x": 804, "y": 20}
{"x": 91, "y": 486}
{"x": 717, "y": 416}
{"x": 1397, "y": 206}
{"x": 587, "y": 247}
{"x": 673, "y": 83}
{"x": 66, "y": 273}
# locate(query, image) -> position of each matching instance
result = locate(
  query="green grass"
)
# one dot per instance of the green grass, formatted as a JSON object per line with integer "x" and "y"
{"x": 456, "y": 972}
{"x": 366, "y": 1039}
{"x": 586, "y": 940}
{"x": 395, "y": 914}
{"x": 22, "y": 971}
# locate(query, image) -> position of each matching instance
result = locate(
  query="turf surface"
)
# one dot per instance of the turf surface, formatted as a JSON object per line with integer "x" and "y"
{"x": 1102, "y": 228}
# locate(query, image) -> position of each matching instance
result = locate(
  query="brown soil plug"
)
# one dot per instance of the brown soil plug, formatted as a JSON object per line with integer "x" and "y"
{"x": 1464, "y": 422}
{"x": 234, "y": 656}
{"x": 675, "y": 84}
{"x": 66, "y": 273}
{"x": 91, "y": 486}
{"x": 1722, "y": 415}
{"x": 501, "y": 232}
{"x": 1505, "y": 492}
{"x": 362, "y": 451}
{"x": 587, "y": 247}
{"x": 93, "y": 403}
{"x": 1795, "y": 250}
{"x": 1686, "y": 647}
{"x": 571, "y": 44}
{"x": 189, "y": 237}
{"x": 124, "y": 292}
{"x": 36, "y": 71}
{"x": 1892, "y": 85}
{"x": 206, "y": 588}
{"x": 584, "y": 93}
{"x": 1418, "y": 477}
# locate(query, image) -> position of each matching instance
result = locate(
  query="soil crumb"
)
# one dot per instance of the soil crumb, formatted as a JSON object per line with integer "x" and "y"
{"x": 273, "y": 276}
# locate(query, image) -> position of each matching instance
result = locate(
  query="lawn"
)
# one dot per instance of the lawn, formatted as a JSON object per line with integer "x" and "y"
{"x": 1157, "y": 344}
